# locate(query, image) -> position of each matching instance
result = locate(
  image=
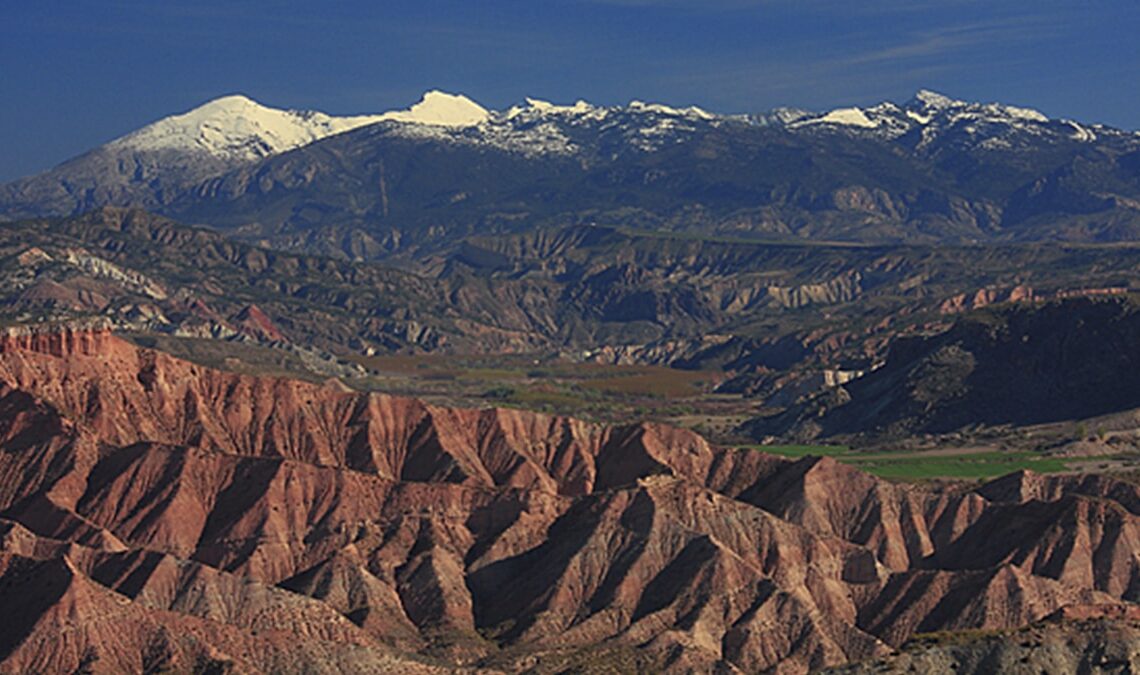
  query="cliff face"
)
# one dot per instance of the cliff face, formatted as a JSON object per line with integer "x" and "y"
{"x": 173, "y": 517}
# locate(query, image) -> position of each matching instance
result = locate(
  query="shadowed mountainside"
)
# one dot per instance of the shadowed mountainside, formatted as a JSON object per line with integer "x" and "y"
{"x": 1019, "y": 364}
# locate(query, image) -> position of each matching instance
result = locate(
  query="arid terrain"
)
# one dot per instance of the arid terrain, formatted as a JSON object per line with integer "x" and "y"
{"x": 163, "y": 516}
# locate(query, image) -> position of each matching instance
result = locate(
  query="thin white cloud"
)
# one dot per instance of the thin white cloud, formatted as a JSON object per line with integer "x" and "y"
{"x": 867, "y": 74}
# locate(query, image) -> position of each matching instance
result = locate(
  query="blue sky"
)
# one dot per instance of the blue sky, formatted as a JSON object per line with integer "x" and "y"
{"x": 76, "y": 74}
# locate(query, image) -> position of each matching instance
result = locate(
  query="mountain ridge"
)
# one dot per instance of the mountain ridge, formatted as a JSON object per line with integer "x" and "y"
{"x": 438, "y": 108}
{"x": 933, "y": 170}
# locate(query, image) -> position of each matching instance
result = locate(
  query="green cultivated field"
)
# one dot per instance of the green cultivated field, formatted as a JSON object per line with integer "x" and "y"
{"x": 916, "y": 466}
{"x": 979, "y": 465}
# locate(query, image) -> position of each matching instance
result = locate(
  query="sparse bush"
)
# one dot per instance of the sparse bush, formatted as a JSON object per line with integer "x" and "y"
{"x": 499, "y": 393}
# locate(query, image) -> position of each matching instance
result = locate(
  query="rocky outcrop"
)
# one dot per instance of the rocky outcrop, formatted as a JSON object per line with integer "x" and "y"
{"x": 176, "y": 517}
{"x": 841, "y": 289}
{"x": 964, "y": 302}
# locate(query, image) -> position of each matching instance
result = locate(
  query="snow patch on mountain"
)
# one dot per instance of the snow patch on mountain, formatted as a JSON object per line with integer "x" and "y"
{"x": 782, "y": 117}
{"x": 535, "y": 105}
{"x": 1023, "y": 113}
{"x": 238, "y": 128}
{"x": 919, "y": 118}
{"x": 1081, "y": 133}
{"x": 539, "y": 127}
{"x": 931, "y": 104}
{"x": 661, "y": 109}
{"x": 850, "y": 117}
{"x": 935, "y": 101}
{"x": 438, "y": 108}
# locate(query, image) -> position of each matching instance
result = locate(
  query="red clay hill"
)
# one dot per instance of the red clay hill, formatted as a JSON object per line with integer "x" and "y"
{"x": 156, "y": 515}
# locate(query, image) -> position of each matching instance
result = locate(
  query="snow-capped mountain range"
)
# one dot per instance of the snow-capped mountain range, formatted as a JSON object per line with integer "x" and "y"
{"x": 238, "y": 129}
{"x": 932, "y": 168}
{"x": 931, "y": 114}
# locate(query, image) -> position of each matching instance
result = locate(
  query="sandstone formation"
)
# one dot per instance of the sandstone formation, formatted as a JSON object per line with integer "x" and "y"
{"x": 156, "y": 515}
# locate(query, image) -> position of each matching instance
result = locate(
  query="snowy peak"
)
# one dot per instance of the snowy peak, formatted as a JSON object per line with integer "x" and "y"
{"x": 934, "y": 101}
{"x": 929, "y": 102}
{"x": 540, "y": 127}
{"x": 546, "y": 106}
{"x": 233, "y": 104}
{"x": 535, "y": 109}
{"x": 238, "y": 128}
{"x": 848, "y": 117}
{"x": 933, "y": 116}
{"x": 782, "y": 117}
{"x": 660, "y": 109}
{"x": 539, "y": 107}
{"x": 438, "y": 108}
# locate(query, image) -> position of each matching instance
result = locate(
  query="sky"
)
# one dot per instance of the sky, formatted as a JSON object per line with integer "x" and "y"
{"x": 76, "y": 74}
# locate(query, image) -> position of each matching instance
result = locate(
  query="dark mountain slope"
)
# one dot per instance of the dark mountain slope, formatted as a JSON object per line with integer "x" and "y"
{"x": 390, "y": 191}
{"x": 1019, "y": 364}
{"x": 932, "y": 170}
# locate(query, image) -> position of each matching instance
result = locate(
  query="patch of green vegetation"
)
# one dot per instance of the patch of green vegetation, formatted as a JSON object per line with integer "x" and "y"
{"x": 917, "y": 466}
{"x": 488, "y": 374}
{"x": 502, "y": 393}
